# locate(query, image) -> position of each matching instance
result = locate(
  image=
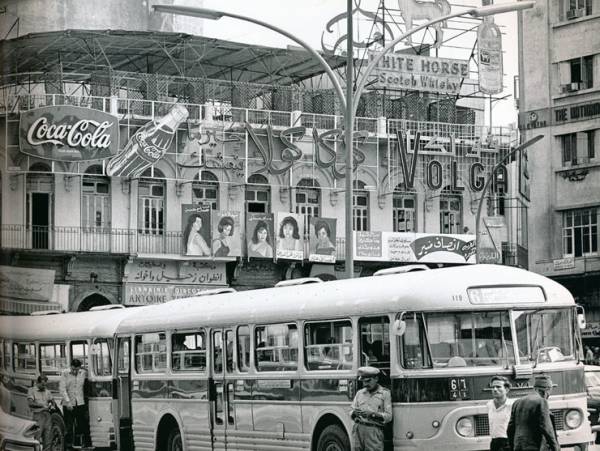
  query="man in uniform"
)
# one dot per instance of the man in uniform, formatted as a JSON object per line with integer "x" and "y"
{"x": 530, "y": 422}
{"x": 39, "y": 400}
{"x": 75, "y": 410}
{"x": 371, "y": 410}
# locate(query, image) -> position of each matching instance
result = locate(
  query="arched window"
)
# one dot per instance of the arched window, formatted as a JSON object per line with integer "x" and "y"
{"x": 360, "y": 206}
{"x": 39, "y": 206}
{"x": 450, "y": 211}
{"x": 404, "y": 209}
{"x": 151, "y": 203}
{"x": 308, "y": 201}
{"x": 206, "y": 190}
{"x": 95, "y": 199}
{"x": 258, "y": 194}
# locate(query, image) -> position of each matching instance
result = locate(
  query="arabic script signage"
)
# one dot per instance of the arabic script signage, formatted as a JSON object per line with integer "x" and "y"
{"x": 68, "y": 133}
{"x": 26, "y": 283}
{"x": 420, "y": 73}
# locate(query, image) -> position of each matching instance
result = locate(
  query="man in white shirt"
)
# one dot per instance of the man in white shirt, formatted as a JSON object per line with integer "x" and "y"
{"x": 76, "y": 414}
{"x": 499, "y": 413}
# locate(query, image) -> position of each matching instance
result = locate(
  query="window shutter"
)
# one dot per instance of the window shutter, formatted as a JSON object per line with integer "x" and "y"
{"x": 564, "y": 70}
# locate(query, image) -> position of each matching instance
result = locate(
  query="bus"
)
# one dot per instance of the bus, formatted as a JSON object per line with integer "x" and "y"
{"x": 276, "y": 368}
{"x": 32, "y": 345}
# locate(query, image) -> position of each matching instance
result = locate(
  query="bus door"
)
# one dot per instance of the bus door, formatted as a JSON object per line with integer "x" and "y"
{"x": 122, "y": 394}
{"x": 222, "y": 414}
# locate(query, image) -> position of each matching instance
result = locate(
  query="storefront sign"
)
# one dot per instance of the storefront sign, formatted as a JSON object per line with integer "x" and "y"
{"x": 534, "y": 119}
{"x": 592, "y": 330}
{"x": 175, "y": 272}
{"x": 576, "y": 112}
{"x": 563, "y": 263}
{"x": 148, "y": 294}
{"x": 420, "y": 73}
{"x": 68, "y": 133}
{"x": 26, "y": 283}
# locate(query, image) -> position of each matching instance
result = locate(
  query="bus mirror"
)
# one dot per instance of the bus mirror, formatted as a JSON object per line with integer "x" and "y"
{"x": 581, "y": 317}
{"x": 399, "y": 327}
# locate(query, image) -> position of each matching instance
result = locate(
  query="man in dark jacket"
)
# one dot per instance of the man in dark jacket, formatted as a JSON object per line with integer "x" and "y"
{"x": 530, "y": 423}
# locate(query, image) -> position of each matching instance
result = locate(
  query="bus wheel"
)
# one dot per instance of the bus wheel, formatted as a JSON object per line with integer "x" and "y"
{"x": 333, "y": 438}
{"x": 174, "y": 442}
{"x": 57, "y": 433}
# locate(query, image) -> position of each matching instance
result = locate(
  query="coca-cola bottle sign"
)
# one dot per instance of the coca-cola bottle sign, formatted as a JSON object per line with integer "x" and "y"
{"x": 68, "y": 133}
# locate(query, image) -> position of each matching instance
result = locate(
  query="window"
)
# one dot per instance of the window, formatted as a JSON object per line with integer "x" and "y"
{"x": 578, "y": 148}
{"x": 328, "y": 345}
{"x": 188, "y": 351}
{"x": 151, "y": 204}
{"x": 403, "y": 209}
{"x": 206, "y": 190}
{"x": 95, "y": 199}
{"x": 375, "y": 341}
{"x": 591, "y": 144}
{"x": 123, "y": 356}
{"x": 577, "y": 8}
{"x": 53, "y": 358}
{"x": 79, "y": 350}
{"x": 569, "y": 148}
{"x": 6, "y": 354}
{"x": 360, "y": 207}
{"x": 276, "y": 347}
{"x": 243, "y": 348}
{"x": 101, "y": 361}
{"x": 258, "y": 194}
{"x": 545, "y": 336}
{"x": 24, "y": 357}
{"x": 450, "y": 212}
{"x": 150, "y": 353}
{"x": 496, "y": 202}
{"x": 217, "y": 356}
{"x": 456, "y": 340}
{"x": 580, "y": 231}
{"x": 308, "y": 201}
{"x": 577, "y": 73}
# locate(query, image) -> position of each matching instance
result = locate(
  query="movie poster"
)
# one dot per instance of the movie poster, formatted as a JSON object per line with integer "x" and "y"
{"x": 195, "y": 223}
{"x": 290, "y": 233}
{"x": 226, "y": 234}
{"x": 321, "y": 240}
{"x": 259, "y": 235}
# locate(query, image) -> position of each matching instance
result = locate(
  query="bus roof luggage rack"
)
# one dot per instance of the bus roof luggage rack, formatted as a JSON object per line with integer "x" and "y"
{"x": 45, "y": 312}
{"x": 106, "y": 307}
{"x": 300, "y": 281}
{"x": 400, "y": 270}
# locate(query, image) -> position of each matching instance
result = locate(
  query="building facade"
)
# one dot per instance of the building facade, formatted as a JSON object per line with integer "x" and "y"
{"x": 143, "y": 167}
{"x": 559, "y": 97}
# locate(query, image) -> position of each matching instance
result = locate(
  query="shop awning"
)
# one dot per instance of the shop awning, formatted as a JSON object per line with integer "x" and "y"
{"x": 23, "y": 307}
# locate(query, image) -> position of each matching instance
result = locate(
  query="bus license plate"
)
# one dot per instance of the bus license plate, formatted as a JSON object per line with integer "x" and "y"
{"x": 458, "y": 388}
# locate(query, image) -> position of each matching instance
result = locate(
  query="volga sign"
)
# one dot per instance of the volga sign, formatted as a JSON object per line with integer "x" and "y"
{"x": 68, "y": 133}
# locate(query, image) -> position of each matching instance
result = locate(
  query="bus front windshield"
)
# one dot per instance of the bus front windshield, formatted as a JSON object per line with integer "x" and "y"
{"x": 485, "y": 338}
{"x": 545, "y": 336}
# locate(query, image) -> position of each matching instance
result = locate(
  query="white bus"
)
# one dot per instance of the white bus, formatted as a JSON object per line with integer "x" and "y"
{"x": 276, "y": 368}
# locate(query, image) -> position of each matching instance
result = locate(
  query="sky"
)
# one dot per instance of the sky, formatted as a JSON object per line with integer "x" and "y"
{"x": 307, "y": 20}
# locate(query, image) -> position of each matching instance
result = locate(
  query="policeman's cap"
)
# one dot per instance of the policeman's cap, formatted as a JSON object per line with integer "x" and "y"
{"x": 368, "y": 371}
{"x": 543, "y": 382}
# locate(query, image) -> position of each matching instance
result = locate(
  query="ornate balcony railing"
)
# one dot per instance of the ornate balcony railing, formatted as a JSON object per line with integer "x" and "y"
{"x": 102, "y": 240}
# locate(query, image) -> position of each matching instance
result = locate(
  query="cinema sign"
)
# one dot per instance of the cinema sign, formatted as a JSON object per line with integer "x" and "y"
{"x": 68, "y": 133}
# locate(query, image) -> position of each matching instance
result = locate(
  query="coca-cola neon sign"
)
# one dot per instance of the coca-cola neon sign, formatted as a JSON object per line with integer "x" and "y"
{"x": 68, "y": 133}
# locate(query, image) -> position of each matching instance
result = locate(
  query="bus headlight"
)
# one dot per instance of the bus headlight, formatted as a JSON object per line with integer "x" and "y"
{"x": 465, "y": 427}
{"x": 573, "y": 419}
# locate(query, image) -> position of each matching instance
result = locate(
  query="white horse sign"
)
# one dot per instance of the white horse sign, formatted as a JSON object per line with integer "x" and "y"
{"x": 420, "y": 73}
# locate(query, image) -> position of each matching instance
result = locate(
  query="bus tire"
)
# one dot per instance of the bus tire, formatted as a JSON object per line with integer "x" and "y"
{"x": 333, "y": 438}
{"x": 57, "y": 433}
{"x": 174, "y": 442}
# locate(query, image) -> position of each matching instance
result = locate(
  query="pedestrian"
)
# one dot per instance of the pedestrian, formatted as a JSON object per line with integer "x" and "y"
{"x": 499, "y": 413}
{"x": 530, "y": 423}
{"x": 72, "y": 382}
{"x": 40, "y": 400}
{"x": 371, "y": 410}
{"x": 589, "y": 355}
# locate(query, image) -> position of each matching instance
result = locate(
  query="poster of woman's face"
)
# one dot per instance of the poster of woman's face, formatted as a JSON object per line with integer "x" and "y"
{"x": 226, "y": 237}
{"x": 195, "y": 223}
{"x": 259, "y": 235}
{"x": 322, "y": 236}
{"x": 290, "y": 236}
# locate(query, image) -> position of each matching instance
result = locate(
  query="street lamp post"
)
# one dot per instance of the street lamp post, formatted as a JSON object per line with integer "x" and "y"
{"x": 489, "y": 181}
{"x": 348, "y": 101}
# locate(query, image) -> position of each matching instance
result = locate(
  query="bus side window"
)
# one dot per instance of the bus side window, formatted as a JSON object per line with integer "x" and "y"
{"x": 217, "y": 354}
{"x": 243, "y": 348}
{"x": 375, "y": 342}
{"x": 24, "y": 357}
{"x": 123, "y": 355}
{"x": 276, "y": 347}
{"x": 328, "y": 345}
{"x": 151, "y": 352}
{"x": 188, "y": 351}
{"x": 6, "y": 355}
{"x": 53, "y": 357}
{"x": 101, "y": 361}
{"x": 414, "y": 343}
{"x": 79, "y": 350}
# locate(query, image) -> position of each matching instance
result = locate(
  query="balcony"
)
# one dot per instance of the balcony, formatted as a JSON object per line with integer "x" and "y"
{"x": 103, "y": 240}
